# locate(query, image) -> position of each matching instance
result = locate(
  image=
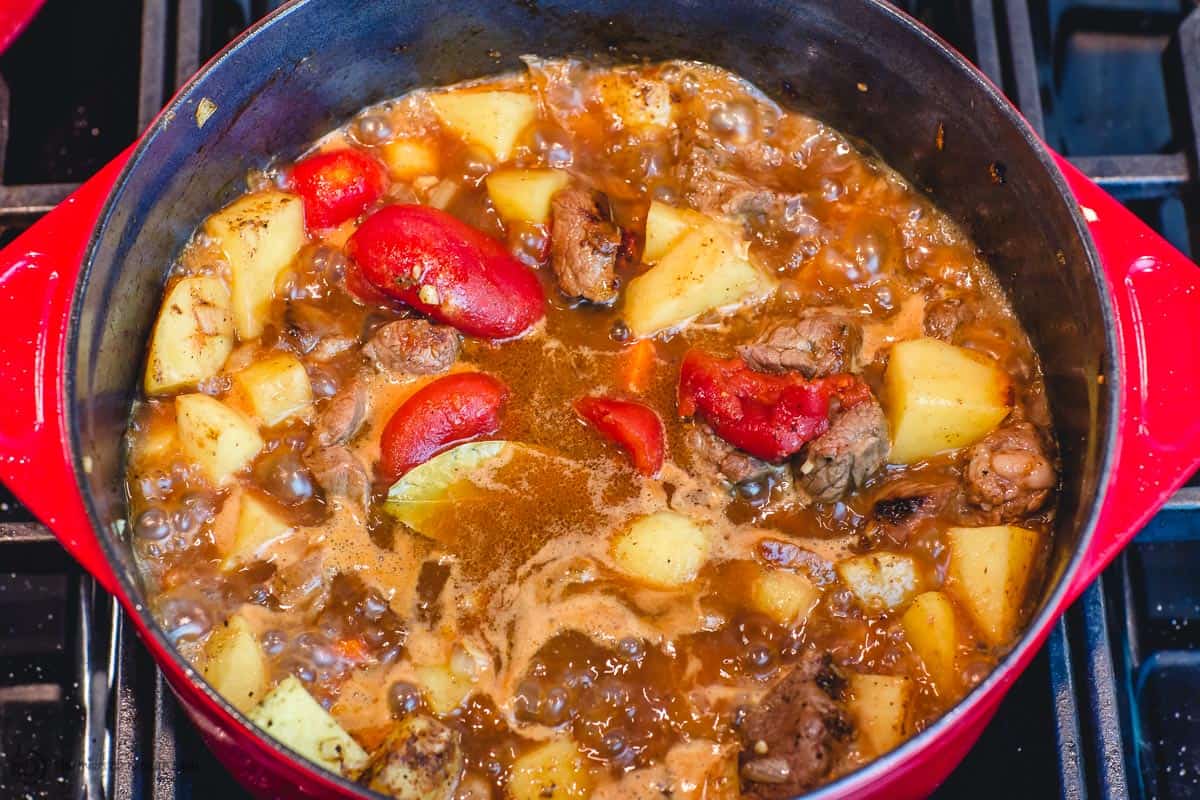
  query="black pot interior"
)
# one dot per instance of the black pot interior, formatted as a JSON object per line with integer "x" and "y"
{"x": 854, "y": 64}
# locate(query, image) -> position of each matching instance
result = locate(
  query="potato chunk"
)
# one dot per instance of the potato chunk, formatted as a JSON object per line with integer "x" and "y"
{"x": 235, "y": 665}
{"x": 445, "y": 687}
{"x": 880, "y": 581}
{"x": 275, "y": 389}
{"x": 260, "y": 234}
{"x": 932, "y": 630}
{"x": 291, "y": 715}
{"x": 880, "y": 705}
{"x": 989, "y": 575}
{"x": 552, "y": 771}
{"x": 634, "y": 102}
{"x": 193, "y": 335}
{"x": 939, "y": 397}
{"x": 524, "y": 195}
{"x": 665, "y": 549}
{"x": 665, "y": 226}
{"x": 410, "y": 158}
{"x": 422, "y": 759}
{"x": 258, "y": 528}
{"x": 708, "y": 269}
{"x": 491, "y": 120}
{"x": 783, "y": 596}
{"x": 219, "y": 439}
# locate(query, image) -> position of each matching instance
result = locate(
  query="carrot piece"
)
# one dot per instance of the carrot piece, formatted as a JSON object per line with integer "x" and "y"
{"x": 635, "y": 377}
{"x": 352, "y": 649}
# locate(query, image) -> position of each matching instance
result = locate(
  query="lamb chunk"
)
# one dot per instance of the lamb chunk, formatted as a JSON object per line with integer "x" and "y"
{"x": 343, "y": 416}
{"x": 714, "y": 453}
{"x": 790, "y": 736}
{"x": 413, "y": 347}
{"x": 316, "y": 332}
{"x": 816, "y": 345}
{"x": 842, "y": 459}
{"x": 341, "y": 475}
{"x": 584, "y": 246}
{"x": 904, "y": 505}
{"x": 1008, "y": 473}
{"x": 944, "y": 317}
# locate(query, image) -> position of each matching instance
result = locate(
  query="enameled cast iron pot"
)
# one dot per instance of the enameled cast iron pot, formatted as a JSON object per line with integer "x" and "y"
{"x": 1113, "y": 310}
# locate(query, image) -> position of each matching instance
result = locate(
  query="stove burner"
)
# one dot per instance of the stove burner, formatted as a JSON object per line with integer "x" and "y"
{"x": 1113, "y": 84}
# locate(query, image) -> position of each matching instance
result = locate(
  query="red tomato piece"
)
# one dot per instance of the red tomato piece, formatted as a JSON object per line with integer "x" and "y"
{"x": 447, "y": 270}
{"x": 636, "y": 428}
{"x": 446, "y": 412}
{"x": 769, "y": 416}
{"x": 337, "y": 185}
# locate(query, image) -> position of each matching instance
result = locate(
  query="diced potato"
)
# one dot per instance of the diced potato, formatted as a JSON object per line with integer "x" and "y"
{"x": 158, "y": 442}
{"x": 880, "y": 705}
{"x": 422, "y": 759}
{"x": 989, "y": 575}
{"x": 784, "y": 596}
{"x": 931, "y": 628}
{"x": 291, "y": 715}
{"x": 193, "y": 335}
{"x": 260, "y": 234}
{"x": 235, "y": 664}
{"x": 445, "y": 687}
{"x": 637, "y": 103}
{"x": 708, "y": 269}
{"x": 219, "y": 439}
{"x": 410, "y": 158}
{"x": 666, "y": 225}
{"x": 492, "y": 120}
{"x": 552, "y": 771}
{"x": 259, "y": 527}
{"x": 880, "y": 581}
{"x": 939, "y": 397}
{"x": 274, "y": 389}
{"x": 524, "y": 195}
{"x": 663, "y": 549}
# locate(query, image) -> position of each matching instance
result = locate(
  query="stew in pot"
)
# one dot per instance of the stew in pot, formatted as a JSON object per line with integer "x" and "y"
{"x": 591, "y": 431}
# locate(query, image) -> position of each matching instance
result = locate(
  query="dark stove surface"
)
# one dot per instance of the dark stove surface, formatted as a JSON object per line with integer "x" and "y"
{"x": 1109, "y": 709}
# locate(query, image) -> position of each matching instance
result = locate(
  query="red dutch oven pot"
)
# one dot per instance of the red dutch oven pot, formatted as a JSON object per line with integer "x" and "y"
{"x": 1113, "y": 310}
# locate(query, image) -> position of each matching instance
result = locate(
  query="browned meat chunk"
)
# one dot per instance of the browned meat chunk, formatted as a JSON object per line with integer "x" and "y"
{"x": 711, "y": 452}
{"x": 943, "y": 318}
{"x": 790, "y": 737}
{"x": 853, "y": 449}
{"x": 341, "y": 475}
{"x": 904, "y": 505}
{"x": 1008, "y": 473}
{"x": 343, "y": 416}
{"x": 413, "y": 347}
{"x": 583, "y": 246}
{"x": 316, "y": 332}
{"x": 821, "y": 344}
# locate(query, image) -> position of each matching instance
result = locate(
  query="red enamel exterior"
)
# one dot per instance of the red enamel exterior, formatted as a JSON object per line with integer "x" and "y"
{"x": 14, "y": 16}
{"x": 1155, "y": 298}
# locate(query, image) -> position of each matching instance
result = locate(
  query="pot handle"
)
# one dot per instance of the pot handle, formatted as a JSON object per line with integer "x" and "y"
{"x": 38, "y": 275}
{"x": 1155, "y": 292}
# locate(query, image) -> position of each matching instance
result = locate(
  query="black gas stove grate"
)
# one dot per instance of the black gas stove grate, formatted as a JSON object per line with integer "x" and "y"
{"x": 1113, "y": 84}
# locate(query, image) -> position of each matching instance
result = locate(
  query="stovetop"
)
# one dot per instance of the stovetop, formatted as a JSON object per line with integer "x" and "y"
{"x": 1110, "y": 708}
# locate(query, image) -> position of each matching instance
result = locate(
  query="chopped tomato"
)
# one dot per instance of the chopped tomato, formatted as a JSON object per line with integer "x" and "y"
{"x": 447, "y": 270}
{"x": 639, "y": 366}
{"x": 353, "y": 649}
{"x": 446, "y": 412}
{"x": 769, "y": 416}
{"x": 636, "y": 428}
{"x": 337, "y": 185}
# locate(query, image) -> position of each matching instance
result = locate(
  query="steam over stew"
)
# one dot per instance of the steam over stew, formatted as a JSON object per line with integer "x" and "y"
{"x": 589, "y": 432}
